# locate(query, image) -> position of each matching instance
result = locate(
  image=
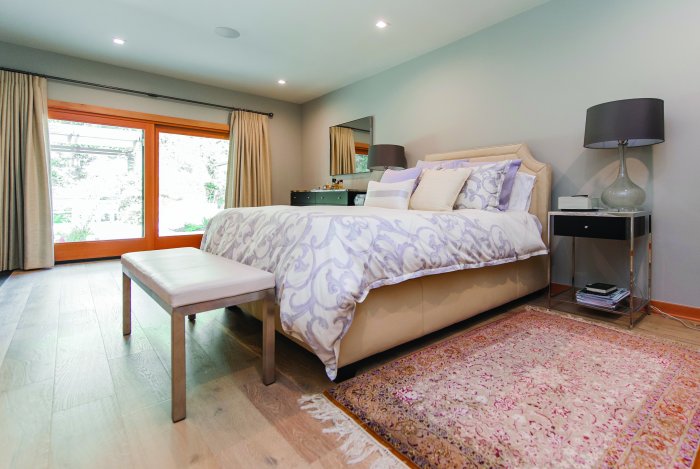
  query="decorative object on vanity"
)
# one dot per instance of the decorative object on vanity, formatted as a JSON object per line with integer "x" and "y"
{"x": 324, "y": 197}
{"x": 527, "y": 390}
{"x": 578, "y": 203}
{"x": 349, "y": 145}
{"x": 386, "y": 156}
{"x": 627, "y": 227}
{"x": 626, "y": 123}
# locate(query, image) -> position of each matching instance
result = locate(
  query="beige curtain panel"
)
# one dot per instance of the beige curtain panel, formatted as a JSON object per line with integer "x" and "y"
{"x": 249, "y": 178}
{"x": 342, "y": 151}
{"x": 26, "y": 229}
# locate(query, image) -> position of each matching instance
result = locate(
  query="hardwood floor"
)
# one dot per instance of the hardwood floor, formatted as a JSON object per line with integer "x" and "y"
{"x": 75, "y": 393}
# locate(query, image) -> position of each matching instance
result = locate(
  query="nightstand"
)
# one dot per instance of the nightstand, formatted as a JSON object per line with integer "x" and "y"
{"x": 632, "y": 230}
{"x": 324, "y": 197}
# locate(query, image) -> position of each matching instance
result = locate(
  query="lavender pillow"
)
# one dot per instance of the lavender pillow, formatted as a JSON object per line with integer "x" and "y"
{"x": 394, "y": 175}
{"x": 507, "y": 188}
{"x": 446, "y": 164}
{"x": 483, "y": 188}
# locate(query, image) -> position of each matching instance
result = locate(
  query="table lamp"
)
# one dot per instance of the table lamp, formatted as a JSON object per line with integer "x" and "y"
{"x": 385, "y": 156}
{"x": 626, "y": 123}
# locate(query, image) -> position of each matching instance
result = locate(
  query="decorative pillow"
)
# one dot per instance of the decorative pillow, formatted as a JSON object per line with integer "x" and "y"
{"x": 394, "y": 175}
{"x": 507, "y": 188}
{"x": 389, "y": 195}
{"x": 438, "y": 189}
{"x": 446, "y": 164}
{"x": 483, "y": 188}
{"x": 521, "y": 194}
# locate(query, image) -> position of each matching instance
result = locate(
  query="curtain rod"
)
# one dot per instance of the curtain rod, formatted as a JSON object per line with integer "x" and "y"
{"x": 136, "y": 92}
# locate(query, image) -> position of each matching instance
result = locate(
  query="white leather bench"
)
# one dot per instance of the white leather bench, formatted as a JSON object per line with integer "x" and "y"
{"x": 187, "y": 281}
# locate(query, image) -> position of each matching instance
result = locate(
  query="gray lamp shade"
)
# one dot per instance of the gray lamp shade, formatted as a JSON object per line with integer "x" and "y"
{"x": 385, "y": 156}
{"x": 640, "y": 122}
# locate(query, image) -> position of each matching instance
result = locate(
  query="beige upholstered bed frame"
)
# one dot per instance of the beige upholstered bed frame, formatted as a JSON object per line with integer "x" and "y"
{"x": 395, "y": 314}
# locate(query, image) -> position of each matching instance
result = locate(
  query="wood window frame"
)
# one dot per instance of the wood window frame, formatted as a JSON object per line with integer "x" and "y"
{"x": 152, "y": 125}
{"x": 361, "y": 148}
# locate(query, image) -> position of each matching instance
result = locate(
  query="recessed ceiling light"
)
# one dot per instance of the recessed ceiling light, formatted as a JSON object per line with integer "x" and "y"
{"x": 281, "y": 82}
{"x": 118, "y": 41}
{"x": 225, "y": 31}
{"x": 381, "y": 24}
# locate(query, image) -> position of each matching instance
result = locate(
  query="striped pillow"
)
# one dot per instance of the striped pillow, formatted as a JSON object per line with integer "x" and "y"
{"x": 389, "y": 194}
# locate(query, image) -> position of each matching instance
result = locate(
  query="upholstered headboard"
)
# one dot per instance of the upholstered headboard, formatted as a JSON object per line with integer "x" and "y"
{"x": 541, "y": 193}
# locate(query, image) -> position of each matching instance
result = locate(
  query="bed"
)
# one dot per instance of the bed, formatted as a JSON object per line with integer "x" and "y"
{"x": 468, "y": 263}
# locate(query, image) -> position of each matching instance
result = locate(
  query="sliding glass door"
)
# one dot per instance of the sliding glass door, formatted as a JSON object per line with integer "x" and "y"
{"x": 121, "y": 184}
{"x": 191, "y": 183}
{"x": 97, "y": 187}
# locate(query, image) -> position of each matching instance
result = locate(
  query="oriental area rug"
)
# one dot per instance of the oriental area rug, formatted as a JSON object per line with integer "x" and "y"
{"x": 534, "y": 389}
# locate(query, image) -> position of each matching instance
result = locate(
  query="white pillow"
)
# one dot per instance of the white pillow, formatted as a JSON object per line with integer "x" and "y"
{"x": 438, "y": 188}
{"x": 521, "y": 194}
{"x": 389, "y": 194}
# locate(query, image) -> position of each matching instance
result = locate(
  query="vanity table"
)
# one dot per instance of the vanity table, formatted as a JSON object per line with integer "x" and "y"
{"x": 324, "y": 197}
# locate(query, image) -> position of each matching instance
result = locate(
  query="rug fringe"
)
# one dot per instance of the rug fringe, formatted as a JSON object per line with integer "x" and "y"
{"x": 357, "y": 444}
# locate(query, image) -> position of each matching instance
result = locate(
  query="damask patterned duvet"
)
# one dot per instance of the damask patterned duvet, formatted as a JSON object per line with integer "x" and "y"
{"x": 326, "y": 259}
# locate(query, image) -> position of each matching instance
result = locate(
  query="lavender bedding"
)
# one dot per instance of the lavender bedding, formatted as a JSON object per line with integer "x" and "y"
{"x": 327, "y": 259}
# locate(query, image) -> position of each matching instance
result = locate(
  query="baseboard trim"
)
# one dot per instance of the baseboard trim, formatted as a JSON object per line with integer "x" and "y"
{"x": 678, "y": 311}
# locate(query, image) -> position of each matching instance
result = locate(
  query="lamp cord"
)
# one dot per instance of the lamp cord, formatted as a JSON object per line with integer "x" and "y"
{"x": 689, "y": 325}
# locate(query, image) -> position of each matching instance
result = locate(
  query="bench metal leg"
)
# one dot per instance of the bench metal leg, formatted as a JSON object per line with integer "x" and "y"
{"x": 177, "y": 366}
{"x": 268, "y": 351}
{"x": 126, "y": 304}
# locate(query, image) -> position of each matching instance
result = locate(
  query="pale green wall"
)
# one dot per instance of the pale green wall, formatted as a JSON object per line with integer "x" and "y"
{"x": 285, "y": 127}
{"x": 530, "y": 79}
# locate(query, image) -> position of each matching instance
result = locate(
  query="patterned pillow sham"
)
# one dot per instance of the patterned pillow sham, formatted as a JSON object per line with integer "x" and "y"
{"x": 483, "y": 188}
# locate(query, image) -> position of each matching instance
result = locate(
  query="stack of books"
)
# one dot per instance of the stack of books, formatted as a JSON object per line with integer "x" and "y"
{"x": 602, "y": 295}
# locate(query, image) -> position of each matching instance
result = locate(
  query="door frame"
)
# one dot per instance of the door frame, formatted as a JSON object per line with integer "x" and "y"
{"x": 151, "y": 124}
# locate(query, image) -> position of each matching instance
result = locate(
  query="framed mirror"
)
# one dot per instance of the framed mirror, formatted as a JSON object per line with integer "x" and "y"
{"x": 350, "y": 142}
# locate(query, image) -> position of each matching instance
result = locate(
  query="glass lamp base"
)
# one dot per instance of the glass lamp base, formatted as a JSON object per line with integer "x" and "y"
{"x": 623, "y": 195}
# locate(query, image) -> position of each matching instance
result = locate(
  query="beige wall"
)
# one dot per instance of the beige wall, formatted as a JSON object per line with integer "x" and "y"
{"x": 530, "y": 79}
{"x": 285, "y": 127}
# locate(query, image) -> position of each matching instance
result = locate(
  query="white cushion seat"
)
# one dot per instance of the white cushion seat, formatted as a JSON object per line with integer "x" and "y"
{"x": 185, "y": 276}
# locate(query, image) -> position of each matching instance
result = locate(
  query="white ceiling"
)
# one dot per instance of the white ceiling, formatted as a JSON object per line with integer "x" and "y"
{"x": 316, "y": 45}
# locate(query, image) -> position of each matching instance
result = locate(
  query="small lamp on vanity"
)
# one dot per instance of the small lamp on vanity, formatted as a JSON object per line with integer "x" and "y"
{"x": 386, "y": 156}
{"x": 622, "y": 124}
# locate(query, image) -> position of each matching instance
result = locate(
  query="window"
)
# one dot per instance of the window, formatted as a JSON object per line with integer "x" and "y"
{"x": 96, "y": 181}
{"x": 361, "y": 152}
{"x": 124, "y": 181}
{"x": 191, "y": 189}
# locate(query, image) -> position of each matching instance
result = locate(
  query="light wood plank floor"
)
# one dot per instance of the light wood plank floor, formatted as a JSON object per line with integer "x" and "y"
{"x": 75, "y": 393}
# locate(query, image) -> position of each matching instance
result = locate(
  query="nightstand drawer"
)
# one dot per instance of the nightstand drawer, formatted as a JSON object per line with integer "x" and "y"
{"x": 590, "y": 227}
{"x": 304, "y": 198}
{"x": 332, "y": 198}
